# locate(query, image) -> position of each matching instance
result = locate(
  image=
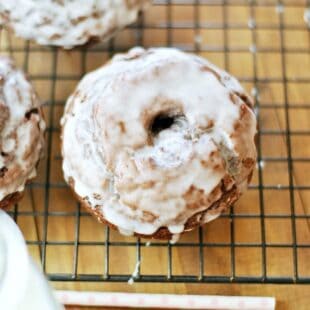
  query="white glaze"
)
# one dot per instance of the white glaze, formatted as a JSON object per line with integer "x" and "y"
{"x": 133, "y": 178}
{"x": 135, "y": 273}
{"x": 175, "y": 238}
{"x": 68, "y": 23}
{"x": 18, "y": 136}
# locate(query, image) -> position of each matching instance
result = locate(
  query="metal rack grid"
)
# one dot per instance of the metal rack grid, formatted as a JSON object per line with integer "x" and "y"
{"x": 43, "y": 210}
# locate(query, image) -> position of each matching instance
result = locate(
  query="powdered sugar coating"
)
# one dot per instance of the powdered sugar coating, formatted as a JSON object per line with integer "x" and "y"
{"x": 21, "y": 129}
{"x": 141, "y": 180}
{"x": 68, "y": 23}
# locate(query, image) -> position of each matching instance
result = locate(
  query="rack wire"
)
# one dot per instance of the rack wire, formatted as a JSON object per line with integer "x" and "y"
{"x": 265, "y": 238}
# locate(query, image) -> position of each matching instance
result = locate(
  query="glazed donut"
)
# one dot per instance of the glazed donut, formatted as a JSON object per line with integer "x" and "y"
{"x": 68, "y": 23}
{"x": 157, "y": 142}
{"x": 21, "y": 132}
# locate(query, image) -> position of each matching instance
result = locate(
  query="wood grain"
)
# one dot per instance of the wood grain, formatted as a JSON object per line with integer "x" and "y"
{"x": 185, "y": 260}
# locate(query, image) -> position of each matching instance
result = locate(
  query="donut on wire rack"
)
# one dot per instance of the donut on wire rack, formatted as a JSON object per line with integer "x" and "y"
{"x": 158, "y": 142}
{"x": 21, "y": 132}
{"x": 68, "y": 23}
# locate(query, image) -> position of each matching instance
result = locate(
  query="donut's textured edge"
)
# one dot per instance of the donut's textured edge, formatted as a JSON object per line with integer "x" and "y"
{"x": 7, "y": 202}
{"x": 90, "y": 42}
{"x": 10, "y": 200}
{"x": 216, "y": 209}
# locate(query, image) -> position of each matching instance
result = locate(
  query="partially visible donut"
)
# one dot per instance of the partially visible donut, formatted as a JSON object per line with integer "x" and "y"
{"x": 157, "y": 142}
{"x": 68, "y": 23}
{"x": 21, "y": 132}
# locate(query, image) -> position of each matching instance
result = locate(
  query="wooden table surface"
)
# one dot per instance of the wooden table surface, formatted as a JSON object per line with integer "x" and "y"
{"x": 277, "y": 85}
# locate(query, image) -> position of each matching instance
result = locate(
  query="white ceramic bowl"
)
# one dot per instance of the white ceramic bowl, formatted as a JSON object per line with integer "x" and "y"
{"x": 22, "y": 286}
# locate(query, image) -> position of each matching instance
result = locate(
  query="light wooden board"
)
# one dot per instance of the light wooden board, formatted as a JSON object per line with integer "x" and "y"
{"x": 185, "y": 260}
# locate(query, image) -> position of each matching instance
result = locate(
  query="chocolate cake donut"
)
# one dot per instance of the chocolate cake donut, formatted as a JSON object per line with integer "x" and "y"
{"x": 21, "y": 132}
{"x": 157, "y": 142}
{"x": 68, "y": 23}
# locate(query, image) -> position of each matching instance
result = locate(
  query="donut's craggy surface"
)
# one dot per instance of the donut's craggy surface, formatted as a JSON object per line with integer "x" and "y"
{"x": 158, "y": 141}
{"x": 68, "y": 23}
{"x": 21, "y": 132}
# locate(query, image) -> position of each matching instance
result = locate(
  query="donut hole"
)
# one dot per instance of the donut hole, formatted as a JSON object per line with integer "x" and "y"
{"x": 164, "y": 121}
{"x": 32, "y": 111}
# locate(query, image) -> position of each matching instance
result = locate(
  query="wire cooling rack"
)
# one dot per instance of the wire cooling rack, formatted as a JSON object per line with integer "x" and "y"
{"x": 265, "y": 238}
